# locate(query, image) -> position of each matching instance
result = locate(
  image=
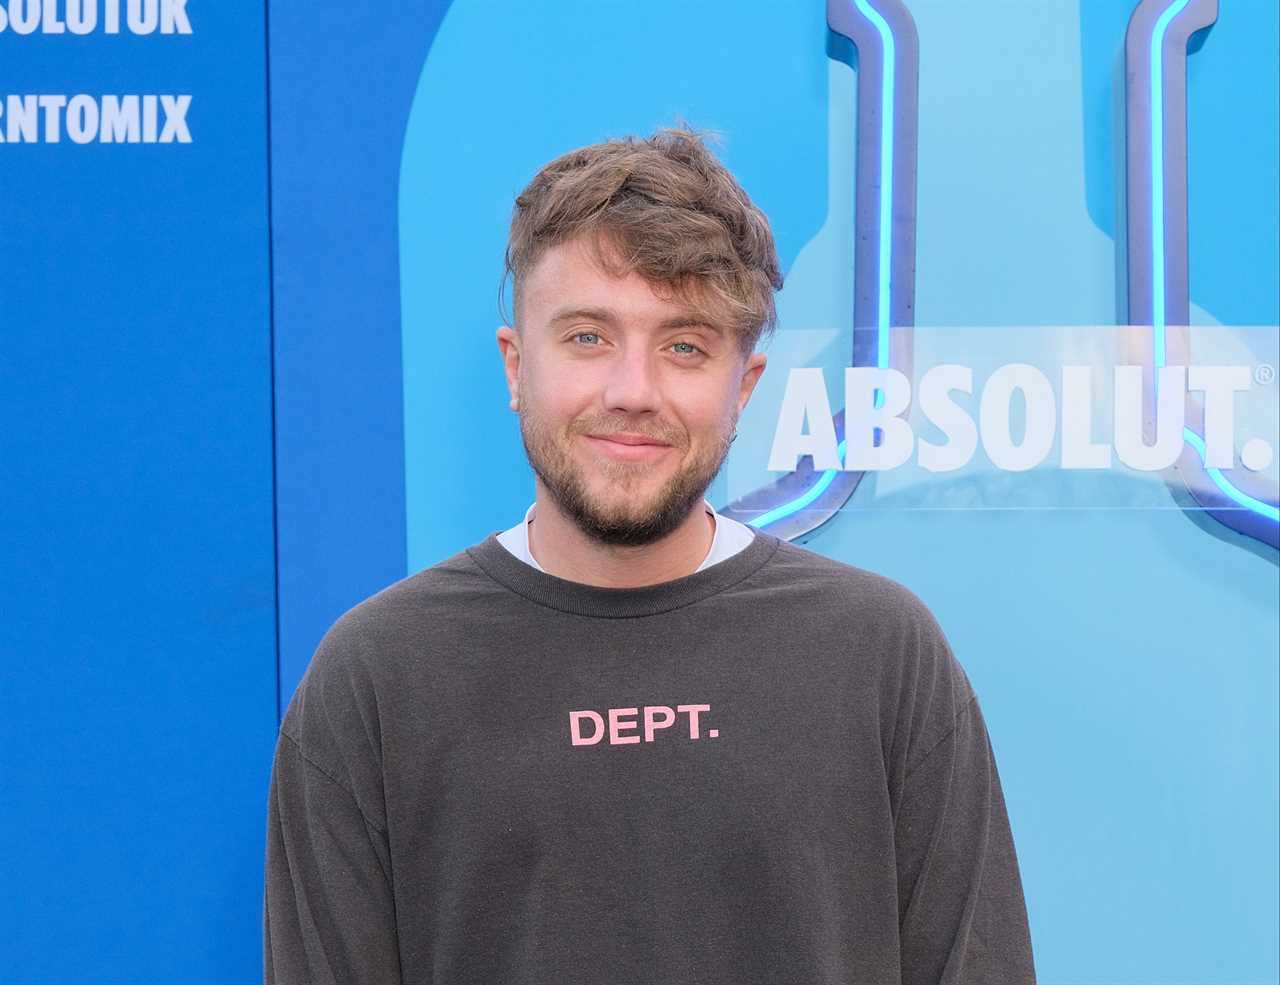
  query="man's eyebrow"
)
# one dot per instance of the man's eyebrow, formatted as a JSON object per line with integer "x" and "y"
{"x": 692, "y": 321}
{"x": 607, "y": 316}
{"x": 591, "y": 314}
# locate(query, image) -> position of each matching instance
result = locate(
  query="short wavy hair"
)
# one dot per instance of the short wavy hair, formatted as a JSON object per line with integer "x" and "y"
{"x": 663, "y": 207}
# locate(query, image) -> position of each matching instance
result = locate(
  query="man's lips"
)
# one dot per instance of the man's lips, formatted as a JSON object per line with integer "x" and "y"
{"x": 629, "y": 439}
{"x": 627, "y": 447}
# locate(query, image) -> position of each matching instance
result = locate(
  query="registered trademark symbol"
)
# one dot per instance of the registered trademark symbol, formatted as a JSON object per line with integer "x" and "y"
{"x": 1265, "y": 373}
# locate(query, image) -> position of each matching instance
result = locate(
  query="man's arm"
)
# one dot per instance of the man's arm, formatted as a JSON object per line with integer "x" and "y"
{"x": 328, "y": 910}
{"x": 962, "y": 916}
{"x": 329, "y": 904}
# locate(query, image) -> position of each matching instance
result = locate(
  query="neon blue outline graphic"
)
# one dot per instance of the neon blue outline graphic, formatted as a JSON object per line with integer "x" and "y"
{"x": 786, "y": 509}
{"x": 1159, "y": 274}
{"x": 1220, "y": 480}
{"x": 886, "y": 183}
{"x": 883, "y": 36}
{"x": 1157, "y": 174}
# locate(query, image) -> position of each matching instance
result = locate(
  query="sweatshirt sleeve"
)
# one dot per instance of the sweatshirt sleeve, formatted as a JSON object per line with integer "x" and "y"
{"x": 328, "y": 903}
{"x": 962, "y": 915}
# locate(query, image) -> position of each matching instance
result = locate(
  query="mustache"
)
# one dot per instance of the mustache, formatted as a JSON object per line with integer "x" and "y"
{"x": 676, "y": 438}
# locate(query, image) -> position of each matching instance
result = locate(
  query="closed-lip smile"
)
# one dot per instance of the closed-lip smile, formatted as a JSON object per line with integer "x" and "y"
{"x": 628, "y": 439}
{"x": 634, "y": 448}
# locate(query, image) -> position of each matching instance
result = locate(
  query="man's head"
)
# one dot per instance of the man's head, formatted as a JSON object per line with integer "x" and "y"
{"x": 643, "y": 280}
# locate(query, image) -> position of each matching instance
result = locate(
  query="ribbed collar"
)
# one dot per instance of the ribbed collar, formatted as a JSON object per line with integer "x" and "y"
{"x": 619, "y": 603}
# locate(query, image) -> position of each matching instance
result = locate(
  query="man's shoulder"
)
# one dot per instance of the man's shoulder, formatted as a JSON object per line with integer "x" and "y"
{"x": 836, "y": 583}
{"x": 452, "y": 586}
{"x": 890, "y": 626}
{"x": 410, "y": 614}
{"x": 373, "y": 643}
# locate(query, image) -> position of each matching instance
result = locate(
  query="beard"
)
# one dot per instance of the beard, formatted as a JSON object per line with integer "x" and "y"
{"x": 633, "y": 521}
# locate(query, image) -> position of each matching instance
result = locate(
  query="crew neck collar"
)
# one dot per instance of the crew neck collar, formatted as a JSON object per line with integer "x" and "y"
{"x": 581, "y": 599}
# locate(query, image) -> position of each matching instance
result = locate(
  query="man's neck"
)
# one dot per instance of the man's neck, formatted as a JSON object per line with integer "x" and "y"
{"x": 562, "y": 549}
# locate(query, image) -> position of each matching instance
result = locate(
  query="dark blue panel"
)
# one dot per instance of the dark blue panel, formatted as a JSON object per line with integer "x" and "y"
{"x": 138, "y": 633}
{"x": 341, "y": 87}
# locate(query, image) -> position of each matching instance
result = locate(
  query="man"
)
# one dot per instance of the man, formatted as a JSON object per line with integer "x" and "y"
{"x": 629, "y": 740}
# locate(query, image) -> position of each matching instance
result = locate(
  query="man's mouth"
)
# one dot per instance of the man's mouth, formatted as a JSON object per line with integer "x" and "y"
{"x": 627, "y": 447}
{"x": 629, "y": 438}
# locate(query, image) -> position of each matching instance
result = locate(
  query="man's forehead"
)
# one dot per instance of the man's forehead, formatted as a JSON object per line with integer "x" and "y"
{"x": 678, "y": 318}
{"x": 568, "y": 282}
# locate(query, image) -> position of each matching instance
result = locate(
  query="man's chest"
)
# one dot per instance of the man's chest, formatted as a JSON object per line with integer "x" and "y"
{"x": 729, "y": 750}
{"x": 735, "y": 795}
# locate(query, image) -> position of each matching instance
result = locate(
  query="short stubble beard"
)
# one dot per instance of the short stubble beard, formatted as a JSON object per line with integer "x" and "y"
{"x": 554, "y": 463}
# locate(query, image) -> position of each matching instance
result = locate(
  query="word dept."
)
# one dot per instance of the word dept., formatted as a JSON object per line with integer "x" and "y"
{"x": 621, "y": 720}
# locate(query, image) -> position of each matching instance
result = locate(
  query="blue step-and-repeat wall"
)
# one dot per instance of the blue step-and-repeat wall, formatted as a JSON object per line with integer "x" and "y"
{"x": 249, "y": 261}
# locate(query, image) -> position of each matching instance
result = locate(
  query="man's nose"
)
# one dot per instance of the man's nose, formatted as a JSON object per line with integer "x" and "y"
{"x": 631, "y": 385}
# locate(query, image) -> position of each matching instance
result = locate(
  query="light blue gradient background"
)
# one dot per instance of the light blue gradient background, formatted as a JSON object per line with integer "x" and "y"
{"x": 1126, "y": 660}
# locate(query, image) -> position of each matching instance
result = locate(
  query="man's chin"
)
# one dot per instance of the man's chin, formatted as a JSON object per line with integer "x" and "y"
{"x": 633, "y": 520}
{"x": 619, "y": 503}
{"x": 620, "y": 513}
{"x": 623, "y": 531}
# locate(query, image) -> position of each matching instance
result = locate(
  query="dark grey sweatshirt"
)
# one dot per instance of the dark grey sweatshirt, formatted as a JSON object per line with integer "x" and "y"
{"x": 770, "y": 771}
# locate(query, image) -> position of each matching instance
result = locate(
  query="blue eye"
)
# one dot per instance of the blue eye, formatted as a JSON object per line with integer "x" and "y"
{"x": 581, "y": 335}
{"x": 691, "y": 350}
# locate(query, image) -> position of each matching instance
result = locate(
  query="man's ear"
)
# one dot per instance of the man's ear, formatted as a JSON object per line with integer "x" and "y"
{"x": 509, "y": 345}
{"x": 750, "y": 377}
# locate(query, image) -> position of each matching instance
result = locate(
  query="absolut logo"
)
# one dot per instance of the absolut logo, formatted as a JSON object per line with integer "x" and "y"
{"x": 1064, "y": 411}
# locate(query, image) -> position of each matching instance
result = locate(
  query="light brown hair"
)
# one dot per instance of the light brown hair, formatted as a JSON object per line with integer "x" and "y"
{"x": 665, "y": 208}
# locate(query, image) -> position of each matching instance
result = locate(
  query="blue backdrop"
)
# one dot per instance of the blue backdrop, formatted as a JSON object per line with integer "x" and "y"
{"x": 232, "y": 367}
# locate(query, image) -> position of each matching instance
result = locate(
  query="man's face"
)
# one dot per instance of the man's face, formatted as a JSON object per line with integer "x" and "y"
{"x": 627, "y": 400}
